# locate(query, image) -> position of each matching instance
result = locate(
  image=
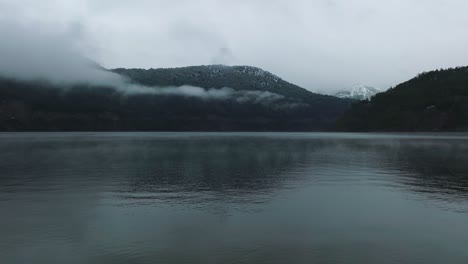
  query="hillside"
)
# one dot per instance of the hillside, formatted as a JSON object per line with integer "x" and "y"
{"x": 236, "y": 77}
{"x": 255, "y": 100}
{"x": 433, "y": 101}
{"x": 215, "y": 76}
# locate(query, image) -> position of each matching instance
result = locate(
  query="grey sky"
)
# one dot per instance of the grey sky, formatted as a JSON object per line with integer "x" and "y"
{"x": 322, "y": 45}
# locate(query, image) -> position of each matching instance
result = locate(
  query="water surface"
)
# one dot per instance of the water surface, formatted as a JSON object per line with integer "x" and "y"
{"x": 233, "y": 198}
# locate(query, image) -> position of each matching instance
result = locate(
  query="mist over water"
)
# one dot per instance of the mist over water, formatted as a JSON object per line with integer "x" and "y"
{"x": 233, "y": 198}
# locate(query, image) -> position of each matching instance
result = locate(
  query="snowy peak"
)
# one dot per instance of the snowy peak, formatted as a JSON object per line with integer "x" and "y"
{"x": 254, "y": 71}
{"x": 358, "y": 92}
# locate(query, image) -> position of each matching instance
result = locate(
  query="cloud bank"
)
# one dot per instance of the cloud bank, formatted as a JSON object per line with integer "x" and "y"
{"x": 321, "y": 45}
{"x": 29, "y": 55}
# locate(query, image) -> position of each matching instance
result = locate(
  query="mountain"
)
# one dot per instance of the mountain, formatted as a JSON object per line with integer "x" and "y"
{"x": 358, "y": 92}
{"x": 198, "y": 98}
{"x": 219, "y": 76}
{"x": 432, "y": 101}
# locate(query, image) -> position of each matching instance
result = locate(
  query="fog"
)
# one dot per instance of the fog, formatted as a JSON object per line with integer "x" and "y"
{"x": 321, "y": 45}
{"x": 225, "y": 93}
{"x": 28, "y": 54}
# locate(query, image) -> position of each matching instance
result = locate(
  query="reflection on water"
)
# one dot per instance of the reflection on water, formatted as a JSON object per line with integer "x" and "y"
{"x": 233, "y": 198}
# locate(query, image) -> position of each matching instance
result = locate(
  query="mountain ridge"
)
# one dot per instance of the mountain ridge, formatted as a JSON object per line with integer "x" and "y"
{"x": 214, "y": 76}
{"x": 194, "y": 98}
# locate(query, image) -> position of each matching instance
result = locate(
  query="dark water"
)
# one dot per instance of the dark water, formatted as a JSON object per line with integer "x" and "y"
{"x": 233, "y": 198}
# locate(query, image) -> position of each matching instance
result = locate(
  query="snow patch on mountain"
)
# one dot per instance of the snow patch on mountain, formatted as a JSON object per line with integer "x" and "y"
{"x": 358, "y": 92}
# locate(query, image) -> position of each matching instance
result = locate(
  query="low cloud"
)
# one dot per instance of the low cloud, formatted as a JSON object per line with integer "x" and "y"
{"x": 29, "y": 54}
{"x": 35, "y": 53}
{"x": 240, "y": 96}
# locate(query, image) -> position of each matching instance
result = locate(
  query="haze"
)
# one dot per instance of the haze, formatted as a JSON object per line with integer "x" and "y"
{"x": 323, "y": 45}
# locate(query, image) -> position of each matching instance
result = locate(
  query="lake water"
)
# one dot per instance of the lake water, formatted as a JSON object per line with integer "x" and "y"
{"x": 233, "y": 198}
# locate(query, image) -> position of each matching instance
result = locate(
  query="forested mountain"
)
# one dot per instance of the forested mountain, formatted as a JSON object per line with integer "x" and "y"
{"x": 254, "y": 100}
{"x": 433, "y": 101}
{"x": 235, "y": 77}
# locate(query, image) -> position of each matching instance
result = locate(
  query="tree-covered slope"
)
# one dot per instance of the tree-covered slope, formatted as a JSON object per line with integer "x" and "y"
{"x": 216, "y": 76}
{"x": 252, "y": 103}
{"x": 238, "y": 78}
{"x": 433, "y": 101}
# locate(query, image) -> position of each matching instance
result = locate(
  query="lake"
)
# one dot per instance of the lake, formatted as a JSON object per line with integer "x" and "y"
{"x": 233, "y": 198}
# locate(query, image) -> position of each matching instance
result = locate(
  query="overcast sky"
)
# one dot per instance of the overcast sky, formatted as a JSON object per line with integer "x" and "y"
{"x": 322, "y": 45}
